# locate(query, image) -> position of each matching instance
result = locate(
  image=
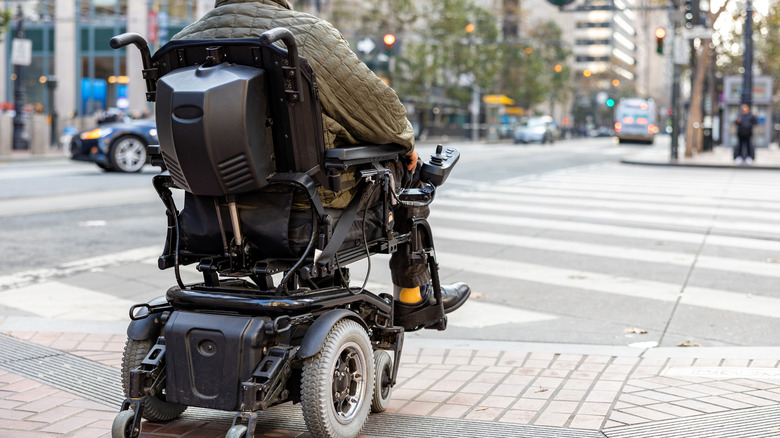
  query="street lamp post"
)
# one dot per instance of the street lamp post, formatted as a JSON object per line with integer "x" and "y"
{"x": 747, "y": 78}
{"x": 19, "y": 142}
{"x": 51, "y": 84}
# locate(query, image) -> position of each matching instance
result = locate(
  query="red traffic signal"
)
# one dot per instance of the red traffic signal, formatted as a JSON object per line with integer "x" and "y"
{"x": 660, "y": 33}
{"x": 389, "y": 40}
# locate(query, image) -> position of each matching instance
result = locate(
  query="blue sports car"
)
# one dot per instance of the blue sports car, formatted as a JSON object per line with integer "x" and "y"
{"x": 118, "y": 146}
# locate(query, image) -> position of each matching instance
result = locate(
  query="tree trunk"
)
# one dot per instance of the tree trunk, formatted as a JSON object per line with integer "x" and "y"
{"x": 693, "y": 131}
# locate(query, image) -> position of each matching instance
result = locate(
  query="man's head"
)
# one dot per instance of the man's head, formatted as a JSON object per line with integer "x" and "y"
{"x": 745, "y": 108}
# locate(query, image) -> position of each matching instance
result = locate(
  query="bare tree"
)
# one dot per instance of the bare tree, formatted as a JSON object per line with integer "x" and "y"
{"x": 693, "y": 135}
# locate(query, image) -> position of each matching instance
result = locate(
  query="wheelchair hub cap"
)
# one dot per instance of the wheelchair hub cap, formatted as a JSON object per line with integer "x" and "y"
{"x": 349, "y": 373}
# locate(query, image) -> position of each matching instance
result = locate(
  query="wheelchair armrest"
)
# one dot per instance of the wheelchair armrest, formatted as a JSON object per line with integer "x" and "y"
{"x": 341, "y": 158}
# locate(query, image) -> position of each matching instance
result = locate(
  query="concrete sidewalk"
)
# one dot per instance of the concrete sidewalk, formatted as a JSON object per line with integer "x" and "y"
{"x": 719, "y": 157}
{"x": 67, "y": 384}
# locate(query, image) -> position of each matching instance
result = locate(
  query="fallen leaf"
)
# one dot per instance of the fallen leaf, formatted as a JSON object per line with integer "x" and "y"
{"x": 481, "y": 409}
{"x": 635, "y": 330}
{"x": 688, "y": 344}
{"x": 772, "y": 260}
{"x": 541, "y": 390}
{"x": 478, "y": 295}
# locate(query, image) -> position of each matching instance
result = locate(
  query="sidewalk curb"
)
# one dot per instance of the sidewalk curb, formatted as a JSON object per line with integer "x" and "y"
{"x": 672, "y": 163}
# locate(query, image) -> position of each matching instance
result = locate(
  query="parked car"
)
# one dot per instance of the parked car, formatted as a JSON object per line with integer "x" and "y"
{"x": 536, "y": 129}
{"x": 118, "y": 146}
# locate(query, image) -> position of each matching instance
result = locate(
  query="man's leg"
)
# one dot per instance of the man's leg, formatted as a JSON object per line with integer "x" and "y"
{"x": 412, "y": 282}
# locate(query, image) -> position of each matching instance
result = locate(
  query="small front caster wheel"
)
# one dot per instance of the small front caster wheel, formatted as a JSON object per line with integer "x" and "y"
{"x": 383, "y": 375}
{"x": 123, "y": 426}
{"x": 237, "y": 431}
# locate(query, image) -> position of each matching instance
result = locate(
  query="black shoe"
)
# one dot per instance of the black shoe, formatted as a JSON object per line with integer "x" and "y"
{"x": 424, "y": 313}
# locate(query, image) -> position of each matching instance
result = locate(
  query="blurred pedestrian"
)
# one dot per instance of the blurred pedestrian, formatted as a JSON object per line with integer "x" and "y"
{"x": 744, "y": 152}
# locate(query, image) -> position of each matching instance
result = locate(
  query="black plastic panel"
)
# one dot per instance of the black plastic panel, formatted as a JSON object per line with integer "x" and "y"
{"x": 211, "y": 127}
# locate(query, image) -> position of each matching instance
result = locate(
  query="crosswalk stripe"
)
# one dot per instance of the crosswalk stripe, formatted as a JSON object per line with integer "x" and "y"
{"x": 616, "y": 285}
{"x": 752, "y": 226}
{"x": 63, "y": 301}
{"x": 608, "y": 251}
{"x": 711, "y": 211}
{"x": 670, "y": 199}
{"x": 609, "y": 230}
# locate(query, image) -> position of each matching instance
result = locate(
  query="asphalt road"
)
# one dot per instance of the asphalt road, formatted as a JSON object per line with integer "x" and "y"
{"x": 559, "y": 243}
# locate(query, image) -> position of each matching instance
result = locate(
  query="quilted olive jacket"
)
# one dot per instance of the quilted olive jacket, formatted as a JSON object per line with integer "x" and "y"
{"x": 357, "y": 106}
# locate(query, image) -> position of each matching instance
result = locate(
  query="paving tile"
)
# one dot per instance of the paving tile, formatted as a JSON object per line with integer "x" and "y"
{"x": 654, "y": 396}
{"x": 624, "y": 418}
{"x": 465, "y": 399}
{"x": 607, "y": 385}
{"x": 648, "y": 414}
{"x": 489, "y": 378}
{"x": 574, "y": 384}
{"x": 529, "y": 404}
{"x": 44, "y": 404}
{"x": 701, "y": 406}
{"x": 450, "y": 411}
{"x": 592, "y": 408}
{"x": 477, "y": 388}
{"x": 570, "y": 395}
{"x": 602, "y": 396}
{"x": 508, "y": 390}
{"x": 671, "y": 409}
{"x": 725, "y": 402}
{"x": 561, "y": 407}
{"x": 587, "y": 422}
{"x": 494, "y": 401}
{"x": 484, "y": 414}
{"x": 551, "y": 419}
{"x": 434, "y": 396}
{"x": 418, "y": 408}
{"x": 516, "y": 416}
{"x": 746, "y": 398}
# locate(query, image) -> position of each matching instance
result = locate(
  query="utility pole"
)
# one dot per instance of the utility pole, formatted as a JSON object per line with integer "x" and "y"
{"x": 747, "y": 79}
{"x": 677, "y": 71}
{"x": 19, "y": 142}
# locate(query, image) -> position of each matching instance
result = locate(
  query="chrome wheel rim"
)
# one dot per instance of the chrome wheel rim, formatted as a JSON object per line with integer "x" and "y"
{"x": 130, "y": 154}
{"x": 348, "y": 382}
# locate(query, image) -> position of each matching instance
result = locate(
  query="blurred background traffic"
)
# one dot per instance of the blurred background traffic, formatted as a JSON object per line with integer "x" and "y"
{"x": 492, "y": 70}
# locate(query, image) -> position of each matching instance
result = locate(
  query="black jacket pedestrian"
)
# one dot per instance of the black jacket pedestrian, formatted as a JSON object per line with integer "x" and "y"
{"x": 745, "y": 123}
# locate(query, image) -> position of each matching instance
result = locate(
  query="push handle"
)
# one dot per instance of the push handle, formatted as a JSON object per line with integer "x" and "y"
{"x": 128, "y": 38}
{"x": 293, "y": 71}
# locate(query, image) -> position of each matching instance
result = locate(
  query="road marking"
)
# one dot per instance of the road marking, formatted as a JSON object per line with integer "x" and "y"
{"x": 609, "y": 251}
{"x": 677, "y": 209}
{"x": 752, "y": 226}
{"x": 613, "y": 284}
{"x": 21, "y": 279}
{"x": 76, "y": 201}
{"x": 477, "y": 314}
{"x": 609, "y": 230}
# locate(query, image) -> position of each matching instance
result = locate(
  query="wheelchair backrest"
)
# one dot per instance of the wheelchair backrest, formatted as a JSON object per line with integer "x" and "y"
{"x": 233, "y": 112}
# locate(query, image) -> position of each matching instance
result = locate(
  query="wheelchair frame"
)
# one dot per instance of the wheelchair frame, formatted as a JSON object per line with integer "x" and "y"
{"x": 273, "y": 332}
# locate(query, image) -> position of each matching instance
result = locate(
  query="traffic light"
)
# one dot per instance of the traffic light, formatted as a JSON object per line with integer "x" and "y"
{"x": 660, "y": 33}
{"x": 389, "y": 40}
{"x": 689, "y": 13}
{"x": 610, "y": 102}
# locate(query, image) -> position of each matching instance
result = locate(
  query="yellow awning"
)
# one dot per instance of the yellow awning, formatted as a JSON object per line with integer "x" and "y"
{"x": 497, "y": 99}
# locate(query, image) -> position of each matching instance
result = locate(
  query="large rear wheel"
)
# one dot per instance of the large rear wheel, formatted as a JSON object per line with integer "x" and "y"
{"x": 338, "y": 383}
{"x": 155, "y": 407}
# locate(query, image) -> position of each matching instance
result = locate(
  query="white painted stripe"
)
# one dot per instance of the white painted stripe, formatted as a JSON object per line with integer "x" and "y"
{"x": 611, "y": 284}
{"x": 711, "y": 211}
{"x": 722, "y": 373}
{"x": 742, "y": 226}
{"x": 63, "y": 301}
{"x": 78, "y": 201}
{"x": 617, "y": 252}
{"x": 71, "y": 268}
{"x": 477, "y": 314}
{"x": 610, "y": 230}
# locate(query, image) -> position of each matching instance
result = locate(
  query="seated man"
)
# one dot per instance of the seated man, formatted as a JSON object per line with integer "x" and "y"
{"x": 357, "y": 108}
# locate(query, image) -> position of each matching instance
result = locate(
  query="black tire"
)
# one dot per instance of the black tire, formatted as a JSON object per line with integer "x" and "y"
{"x": 123, "y": 424}
{"x": 383, "y": 372}
{"x": 128, "y": 154}
{"x": 155, "y": 408}
{"x": 106, "y": 167}
{"x": 237, "y": 431}
{"x": 338, "y": 383}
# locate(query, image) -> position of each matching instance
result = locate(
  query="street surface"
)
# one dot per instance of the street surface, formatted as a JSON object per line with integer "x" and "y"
{"x": 559, "y": 243}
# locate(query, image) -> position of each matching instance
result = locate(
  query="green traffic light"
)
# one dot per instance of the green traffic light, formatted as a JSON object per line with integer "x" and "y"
{"x": 610, "y": 102}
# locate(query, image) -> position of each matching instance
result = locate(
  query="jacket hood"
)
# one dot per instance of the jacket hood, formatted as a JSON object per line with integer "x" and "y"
{"x": 283, "y": 3}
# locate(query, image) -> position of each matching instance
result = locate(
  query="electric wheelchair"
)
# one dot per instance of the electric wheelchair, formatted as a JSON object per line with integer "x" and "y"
{"x": 274, "y": 318}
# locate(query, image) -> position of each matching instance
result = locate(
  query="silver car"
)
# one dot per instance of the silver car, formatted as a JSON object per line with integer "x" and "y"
{"x": 536, "y": 129}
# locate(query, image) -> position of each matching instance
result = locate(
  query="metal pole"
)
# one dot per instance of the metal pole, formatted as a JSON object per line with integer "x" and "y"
{"x": 19, "y": 142}
{"x": 747, "y": 79}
